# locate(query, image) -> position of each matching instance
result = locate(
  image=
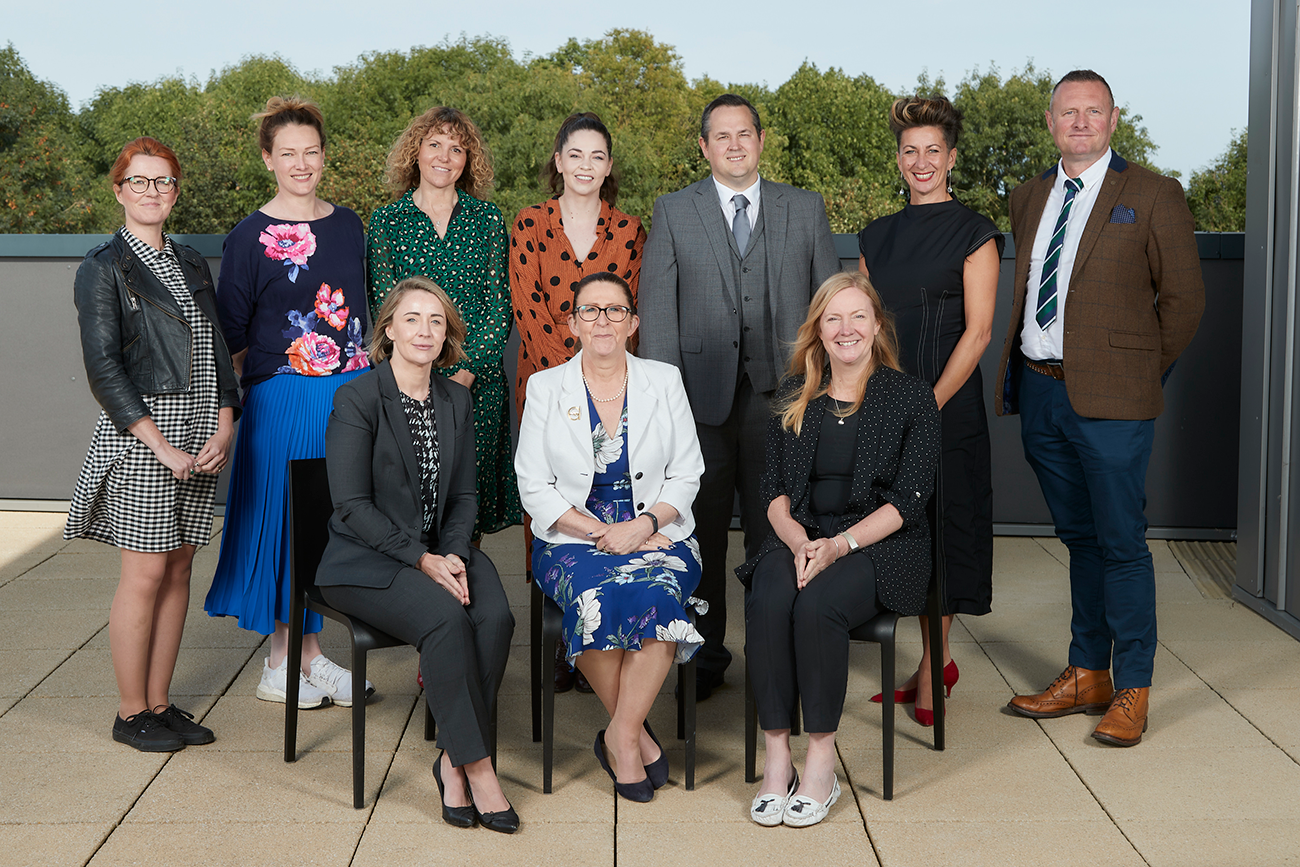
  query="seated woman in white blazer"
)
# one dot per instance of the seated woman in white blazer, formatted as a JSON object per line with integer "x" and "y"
{"x": 608, "y": 467}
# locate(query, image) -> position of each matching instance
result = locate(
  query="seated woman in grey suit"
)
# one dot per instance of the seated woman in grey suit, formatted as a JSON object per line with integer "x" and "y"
{"x": 608, "y": 467}
{"x": 400, "y": 451}
{"x": 851, "y": 457}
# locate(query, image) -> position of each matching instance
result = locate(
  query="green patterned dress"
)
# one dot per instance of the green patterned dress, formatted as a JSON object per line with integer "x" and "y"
{"x": 470, "y": 264}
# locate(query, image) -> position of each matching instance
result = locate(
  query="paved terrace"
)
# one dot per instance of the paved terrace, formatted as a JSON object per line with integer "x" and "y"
{"x": 1215, "y": 782}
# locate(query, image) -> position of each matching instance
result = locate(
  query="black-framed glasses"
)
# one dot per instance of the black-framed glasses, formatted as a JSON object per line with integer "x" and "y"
{"x": 140, "y": 184}
{"x": 614, "y": 313}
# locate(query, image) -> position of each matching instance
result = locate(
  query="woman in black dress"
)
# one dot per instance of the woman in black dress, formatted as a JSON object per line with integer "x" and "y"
{"x": 935, "y": 264}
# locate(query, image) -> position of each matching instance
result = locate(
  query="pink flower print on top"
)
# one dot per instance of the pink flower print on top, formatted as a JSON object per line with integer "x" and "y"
{"x": 359, "y": 361}
{"x": 313, "y": 355}
{"x": 330, "y": 306}
{"x": 291, "y": 244}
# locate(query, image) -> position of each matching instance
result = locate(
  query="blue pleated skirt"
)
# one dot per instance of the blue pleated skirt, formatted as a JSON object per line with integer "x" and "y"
{"x": 284, "y": 419}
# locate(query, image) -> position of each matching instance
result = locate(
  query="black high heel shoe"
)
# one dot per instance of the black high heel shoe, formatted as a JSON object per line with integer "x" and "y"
{"x": 640, "y": 791}
{"x": 505, "y": 821}
{"x": 657, "y": 771}
{"x": 460, "y": 817}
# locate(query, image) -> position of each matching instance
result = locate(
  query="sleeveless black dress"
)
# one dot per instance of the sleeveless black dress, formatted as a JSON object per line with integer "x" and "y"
{"x": 916, "y": 258}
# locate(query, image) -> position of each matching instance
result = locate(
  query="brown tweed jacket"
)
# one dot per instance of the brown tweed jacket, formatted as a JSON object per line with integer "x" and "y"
{"x": 1135, "y": 296}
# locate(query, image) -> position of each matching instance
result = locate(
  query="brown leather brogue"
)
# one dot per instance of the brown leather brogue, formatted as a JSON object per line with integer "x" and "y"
{"x": 1126, "y": 719}
{"x": 1075, "y": 690}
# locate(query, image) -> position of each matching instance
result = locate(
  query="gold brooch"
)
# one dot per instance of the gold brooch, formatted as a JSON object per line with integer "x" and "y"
{"x": 574, "y": 413}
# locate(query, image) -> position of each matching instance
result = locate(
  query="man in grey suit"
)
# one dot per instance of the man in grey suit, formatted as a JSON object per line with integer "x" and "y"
{"x": 729, "y": 268}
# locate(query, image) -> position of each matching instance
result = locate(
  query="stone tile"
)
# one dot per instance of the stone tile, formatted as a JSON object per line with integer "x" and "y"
{"x": 995, "y": 844}
{"x": 745, "y": 844}
{"x": 1054, "y": 546}
{"x": 21, "y": 670}
{"x": 68, "y": 725}
{"x": 35, "y": 521}
{"x": 1029, "y": 666}
{"x": 1221, "y": 842}
{"x": 975, "y": 720}
{"x": 1015, "y": 621}
{"x": 1024, "y": 556}
{"x": 69, "y": 845}
{"x": 429, "y": 843}
{"x": 391, "y": 670}
{"x": 222, "y": 844}
{"x": 1178, "y": 718}
{"x": 1176, "y": 587}
{"x": 1201, "y": 782}
{"x": 1241, "y": 664}
{"x": 37, "y": 594}
{"x": 238, "y": 787}
{"x": 101, "y": 563}
{"x": 248, "y": 724}
{"x": 959, "y": 783}
{"x": 1216, "y": 620}
{"x": 19, "y": 630}
{"x": 975, "y": 669}
{"x": 69, "y": 788}
{"x": 204, "y": 631}
{"x": 1272, "y": 711}
{"x": 89, "y": 672}
{"x": 1163, "y": 558}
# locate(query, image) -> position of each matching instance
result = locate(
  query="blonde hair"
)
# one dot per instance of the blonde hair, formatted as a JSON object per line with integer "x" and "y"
{"x": 808, "y": 359}
{"x": 284, "y": 111}
{"x": 453, "y": 346}
{"x": 403, "y": 167}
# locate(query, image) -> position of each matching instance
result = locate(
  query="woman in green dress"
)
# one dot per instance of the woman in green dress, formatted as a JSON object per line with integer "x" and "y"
{"x": 439, "y": 227}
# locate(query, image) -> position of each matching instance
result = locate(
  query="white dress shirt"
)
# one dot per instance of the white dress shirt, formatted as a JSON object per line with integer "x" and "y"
{"x": 725, "y": 195}
{"x": 1036, "y": 343}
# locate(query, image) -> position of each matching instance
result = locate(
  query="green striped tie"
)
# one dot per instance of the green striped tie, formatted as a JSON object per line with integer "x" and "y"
{"x": 1046, "y": 314}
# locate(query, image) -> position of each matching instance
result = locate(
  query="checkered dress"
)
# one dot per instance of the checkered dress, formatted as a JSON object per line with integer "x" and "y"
{"x": 125, "y": 497}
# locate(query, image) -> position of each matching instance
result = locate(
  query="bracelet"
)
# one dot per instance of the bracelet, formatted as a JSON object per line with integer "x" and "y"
{"x": 852, "y": 542}
{"x": 838, "y": 555}
{"x": 653, "y": 520}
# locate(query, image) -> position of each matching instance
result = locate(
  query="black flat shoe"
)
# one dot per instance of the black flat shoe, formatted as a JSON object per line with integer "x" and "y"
{"x": 505, "y": 822}
{"x": 460, "y": 817}
{"x": 657, "y": 771}
{"x": 640, "y": 791}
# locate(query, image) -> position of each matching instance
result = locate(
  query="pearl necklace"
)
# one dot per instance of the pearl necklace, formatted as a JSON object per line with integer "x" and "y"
{"x": 605, "y": 399}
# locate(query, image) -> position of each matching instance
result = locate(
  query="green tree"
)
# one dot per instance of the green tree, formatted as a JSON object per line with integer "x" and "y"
{"x": 43, "y": 174}
{"x": 1217, "y": 195}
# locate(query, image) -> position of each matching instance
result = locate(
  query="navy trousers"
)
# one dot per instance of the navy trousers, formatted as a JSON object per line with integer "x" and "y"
{"x": 1093, "y": 475}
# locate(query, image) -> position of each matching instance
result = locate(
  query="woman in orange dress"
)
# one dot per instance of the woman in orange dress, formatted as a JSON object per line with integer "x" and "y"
{"x": 556, "y": 243}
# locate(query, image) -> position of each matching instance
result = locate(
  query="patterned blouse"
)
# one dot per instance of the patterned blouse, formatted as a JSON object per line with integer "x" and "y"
{"x": 543, "y": 269}
{"x": 424, "y": 434}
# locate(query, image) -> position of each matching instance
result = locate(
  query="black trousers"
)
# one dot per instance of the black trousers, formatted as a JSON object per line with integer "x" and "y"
{"x": 734, "y": 457}
{"x": 463, "y": 648}
{"x": 797, "y": 641}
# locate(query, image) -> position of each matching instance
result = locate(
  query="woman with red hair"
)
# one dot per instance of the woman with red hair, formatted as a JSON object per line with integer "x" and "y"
{"x": 157, "y": 364}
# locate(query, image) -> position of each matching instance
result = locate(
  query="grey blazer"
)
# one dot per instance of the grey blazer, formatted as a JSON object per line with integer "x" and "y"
{"x": 377, "y": 526}
{"x": 687, "y": 297}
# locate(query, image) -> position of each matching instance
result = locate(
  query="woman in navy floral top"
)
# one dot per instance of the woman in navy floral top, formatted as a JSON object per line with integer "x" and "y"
{"x": 292, "y": 299}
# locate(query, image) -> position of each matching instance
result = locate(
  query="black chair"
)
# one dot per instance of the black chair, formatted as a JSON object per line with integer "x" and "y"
{"x": 547, "y": 622}
{"x": 310, "y": 508}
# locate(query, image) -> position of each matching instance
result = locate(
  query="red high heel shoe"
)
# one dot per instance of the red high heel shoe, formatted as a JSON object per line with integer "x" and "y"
{"x": 907, "y": 696}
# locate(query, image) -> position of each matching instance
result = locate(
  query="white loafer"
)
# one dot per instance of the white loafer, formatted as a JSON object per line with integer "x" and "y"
{"x": 767, "y": 810}
{"x": 803, "y": 811}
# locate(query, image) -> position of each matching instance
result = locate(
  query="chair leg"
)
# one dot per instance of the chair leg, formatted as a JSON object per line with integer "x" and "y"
{"x": 430, "y": 726}
{"x": 292, "y": 681}
{"x": 751, "y": 731}
{"x": 688, "y": 704}
{"x": 935, "y": 612}
{"x": 492, "y": 743}
{"x": 887, "y": 713}
{"x": 535, "y": 643}
{"x": 358, "y": 729}
{"x": 548, "y": 725}
{"x": 681, "y": 702}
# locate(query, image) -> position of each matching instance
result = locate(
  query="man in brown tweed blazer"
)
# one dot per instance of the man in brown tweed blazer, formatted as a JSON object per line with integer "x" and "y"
{"x": 1108, "y": 294}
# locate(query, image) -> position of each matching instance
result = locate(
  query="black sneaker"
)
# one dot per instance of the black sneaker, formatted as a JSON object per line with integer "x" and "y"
{"x": 182, "y": 723}
{"x": 147, "y": 732}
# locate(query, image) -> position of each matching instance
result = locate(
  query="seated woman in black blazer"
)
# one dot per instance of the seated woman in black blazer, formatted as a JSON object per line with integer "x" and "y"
{"x": 400, "y": 451}
{"x": 851, "y": 456}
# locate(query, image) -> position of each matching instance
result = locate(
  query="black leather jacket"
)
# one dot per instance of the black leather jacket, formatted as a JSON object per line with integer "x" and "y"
{"x": 134, "y": 338}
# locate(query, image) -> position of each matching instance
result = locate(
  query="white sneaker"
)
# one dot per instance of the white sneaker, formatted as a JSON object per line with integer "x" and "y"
{"x": 803, "y": 810}
{"x": 335, "y": 681}
{"x": 274, "y": 686}
{"x": 768, "y": 810}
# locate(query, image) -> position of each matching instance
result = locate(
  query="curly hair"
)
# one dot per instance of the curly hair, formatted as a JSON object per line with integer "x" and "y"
{"x": 808, "y": 358}
{"x": 911, "y": 112}
{"x": 284, "y": 111}
{"x": 453, "y": 346}
{"x": 584, "y": 120}
{"x": 403, "y": 168}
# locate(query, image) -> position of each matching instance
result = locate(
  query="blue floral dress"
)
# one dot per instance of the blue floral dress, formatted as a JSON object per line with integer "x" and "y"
{"x": 615, "y": 601}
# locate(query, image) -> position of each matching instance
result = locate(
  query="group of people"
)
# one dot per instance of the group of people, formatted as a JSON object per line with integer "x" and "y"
{"x": 659, "y": 377}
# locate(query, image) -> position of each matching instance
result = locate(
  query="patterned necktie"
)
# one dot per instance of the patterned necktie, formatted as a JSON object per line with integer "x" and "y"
{"x": 1046, "y": 314}
{"x": 740, "y": 223}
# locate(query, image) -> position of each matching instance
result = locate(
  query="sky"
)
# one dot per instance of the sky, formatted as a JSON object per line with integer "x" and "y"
{"x": 1182, "y": 66}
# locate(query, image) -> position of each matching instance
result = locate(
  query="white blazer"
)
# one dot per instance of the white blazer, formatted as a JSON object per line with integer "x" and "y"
{"x": 556, "y": 464}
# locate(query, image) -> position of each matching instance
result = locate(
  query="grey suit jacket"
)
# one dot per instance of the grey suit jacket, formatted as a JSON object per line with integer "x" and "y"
{"x": 377, "y": 526}
{"x": 688, "y": 295}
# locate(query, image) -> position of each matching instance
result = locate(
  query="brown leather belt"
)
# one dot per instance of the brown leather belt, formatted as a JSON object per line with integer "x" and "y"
{"x": 1054, "y": 369}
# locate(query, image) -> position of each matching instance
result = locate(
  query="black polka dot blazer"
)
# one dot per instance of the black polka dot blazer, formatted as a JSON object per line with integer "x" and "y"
{"x": 894, "y": 462}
